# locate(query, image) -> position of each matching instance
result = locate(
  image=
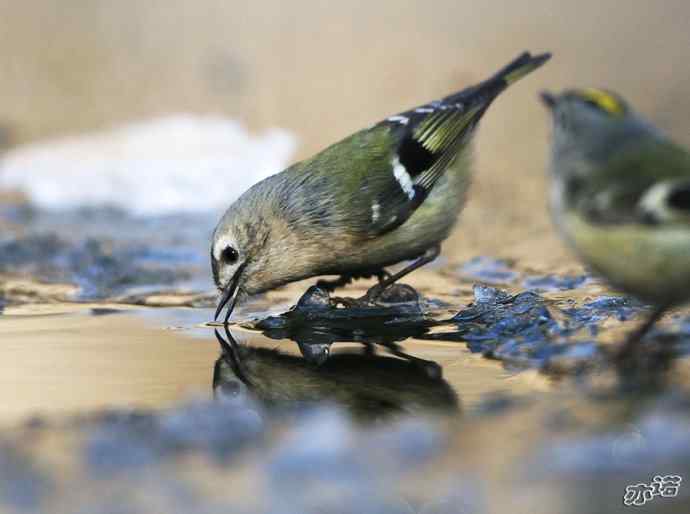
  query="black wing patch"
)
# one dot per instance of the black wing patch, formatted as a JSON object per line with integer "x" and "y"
{"x": 429, "y": 138}
{"x": 663, "y": 202}
{"x": 679, "y": 198}
{"x": 414, "y": 157}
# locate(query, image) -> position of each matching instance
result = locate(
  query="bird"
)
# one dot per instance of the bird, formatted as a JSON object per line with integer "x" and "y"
{"x": 620, "y": 197}
{"x": 386, "y": 194}
{"x": 369, "y": 386}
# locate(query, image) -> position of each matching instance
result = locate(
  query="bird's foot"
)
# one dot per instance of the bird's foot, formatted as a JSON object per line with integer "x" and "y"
{"x": 373, "y": 294}
{"x": 379, "y": 295}
{"x": 387, "y": 294}
{"x": 348, "y": 303}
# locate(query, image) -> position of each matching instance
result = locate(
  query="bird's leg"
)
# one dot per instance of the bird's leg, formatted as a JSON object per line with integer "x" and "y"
{"x": 382, "y": 275}
{"x": 430, "y": 368}
{"x": 332, "y": 285}
{"x": 428, "y": 256}
{"x": 343, "y": 280}
{"x": 629, "y": 347}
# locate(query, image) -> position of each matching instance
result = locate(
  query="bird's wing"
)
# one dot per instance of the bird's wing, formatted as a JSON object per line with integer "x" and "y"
{"x": 649, "y": 184}
{"x": 417, "y": 149}
{"x": 666, "y": 202}
{"x": 387, "y": 171}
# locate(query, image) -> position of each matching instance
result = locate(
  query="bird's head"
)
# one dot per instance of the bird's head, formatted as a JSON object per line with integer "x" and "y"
{"x": 590, "y": 125}
{"x": 583, "y": 113}
{"x": 234, "y": 243}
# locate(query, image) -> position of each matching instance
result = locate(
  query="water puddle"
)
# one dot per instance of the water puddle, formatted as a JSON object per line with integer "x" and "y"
{"x": 128, "y": 358}
{"x": 56, "y": 364}
{"x": 481, "y": 388}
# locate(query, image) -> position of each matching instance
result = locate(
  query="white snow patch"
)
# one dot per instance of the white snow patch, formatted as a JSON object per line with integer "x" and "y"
{"x": 179, "y": 163}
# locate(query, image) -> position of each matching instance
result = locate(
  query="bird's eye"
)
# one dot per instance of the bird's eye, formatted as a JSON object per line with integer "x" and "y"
{"x": 229, "y": 255}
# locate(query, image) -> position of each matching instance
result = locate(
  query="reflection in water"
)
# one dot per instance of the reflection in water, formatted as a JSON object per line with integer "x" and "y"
{"x": 366, "y": 384}
{"x": 522, "y": 330}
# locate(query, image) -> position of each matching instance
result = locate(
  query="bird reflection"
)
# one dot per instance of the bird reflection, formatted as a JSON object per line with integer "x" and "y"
{"x": 366, "y": 383}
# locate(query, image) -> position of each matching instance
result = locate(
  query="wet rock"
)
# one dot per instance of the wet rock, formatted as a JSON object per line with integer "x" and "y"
{"x": 520, "y": 330}
{"x": 315, "y": 320}
{"x": 487, "y": 296}
{"x": 106, "y": 253}
{"x": 497, "y": 315}
{"x": 603, "y": 307}
{"x": 399, "y": 293}
{"x": 99, "y": 268}
{"x": 591, "y": 314}
{"x": 314, "y": 298}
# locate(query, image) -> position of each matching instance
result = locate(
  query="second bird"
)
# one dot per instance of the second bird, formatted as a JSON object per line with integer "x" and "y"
{"x": 621, "y": 197}
{"x": 386, "y": 194}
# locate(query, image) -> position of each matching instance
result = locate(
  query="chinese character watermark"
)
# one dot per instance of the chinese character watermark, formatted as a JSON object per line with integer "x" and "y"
{"x": 665, "y": 486}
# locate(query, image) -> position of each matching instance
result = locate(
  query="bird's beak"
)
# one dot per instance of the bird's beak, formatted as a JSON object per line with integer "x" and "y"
{"x": 229, "y": 297}
{"x": 548, "y": 99}
{"x": 231, "y": 355}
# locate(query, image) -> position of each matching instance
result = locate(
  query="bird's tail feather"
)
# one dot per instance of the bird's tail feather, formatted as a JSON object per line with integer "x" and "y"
{"x": 518, "y": 68}
{"x": 489, "y": 89}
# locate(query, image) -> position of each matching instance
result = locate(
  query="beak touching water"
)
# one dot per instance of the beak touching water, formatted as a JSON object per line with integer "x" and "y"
{"x": 231, "y": 355}
{"x": 229, "y": 297}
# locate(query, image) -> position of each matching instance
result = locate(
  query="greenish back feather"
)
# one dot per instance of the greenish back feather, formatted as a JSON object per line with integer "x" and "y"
{"x": 372, "y": 181}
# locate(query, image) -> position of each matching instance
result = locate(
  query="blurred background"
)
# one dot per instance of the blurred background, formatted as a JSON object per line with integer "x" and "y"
{"x": 167, "y": 111}
{"x": 321, "y": 70}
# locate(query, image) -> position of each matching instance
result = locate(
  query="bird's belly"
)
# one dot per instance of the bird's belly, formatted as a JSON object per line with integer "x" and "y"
{"x": 652, "y": 263}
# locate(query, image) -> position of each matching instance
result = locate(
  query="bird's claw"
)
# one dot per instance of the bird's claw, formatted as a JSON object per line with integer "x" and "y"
{"x": 373, "y": 294}
{"x": 379, "y": 295}
{"x": 351, "y": 303}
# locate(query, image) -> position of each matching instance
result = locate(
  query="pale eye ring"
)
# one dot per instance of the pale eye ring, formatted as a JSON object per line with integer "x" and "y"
{"x": 229, "y": 255}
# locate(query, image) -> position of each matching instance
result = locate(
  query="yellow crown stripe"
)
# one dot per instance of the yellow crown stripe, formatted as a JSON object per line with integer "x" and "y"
{"x": 605, "y": 100}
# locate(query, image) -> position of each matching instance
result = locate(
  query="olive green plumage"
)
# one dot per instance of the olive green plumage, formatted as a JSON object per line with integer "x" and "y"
{"x": 621, "y": 195}
{"x": 388, "y": 193}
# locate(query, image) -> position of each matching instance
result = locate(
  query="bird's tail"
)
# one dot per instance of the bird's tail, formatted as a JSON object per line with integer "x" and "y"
{"x": 489, "y": 89}
{"x": 518, "y": 68}
{"x": 441, "y": 124}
